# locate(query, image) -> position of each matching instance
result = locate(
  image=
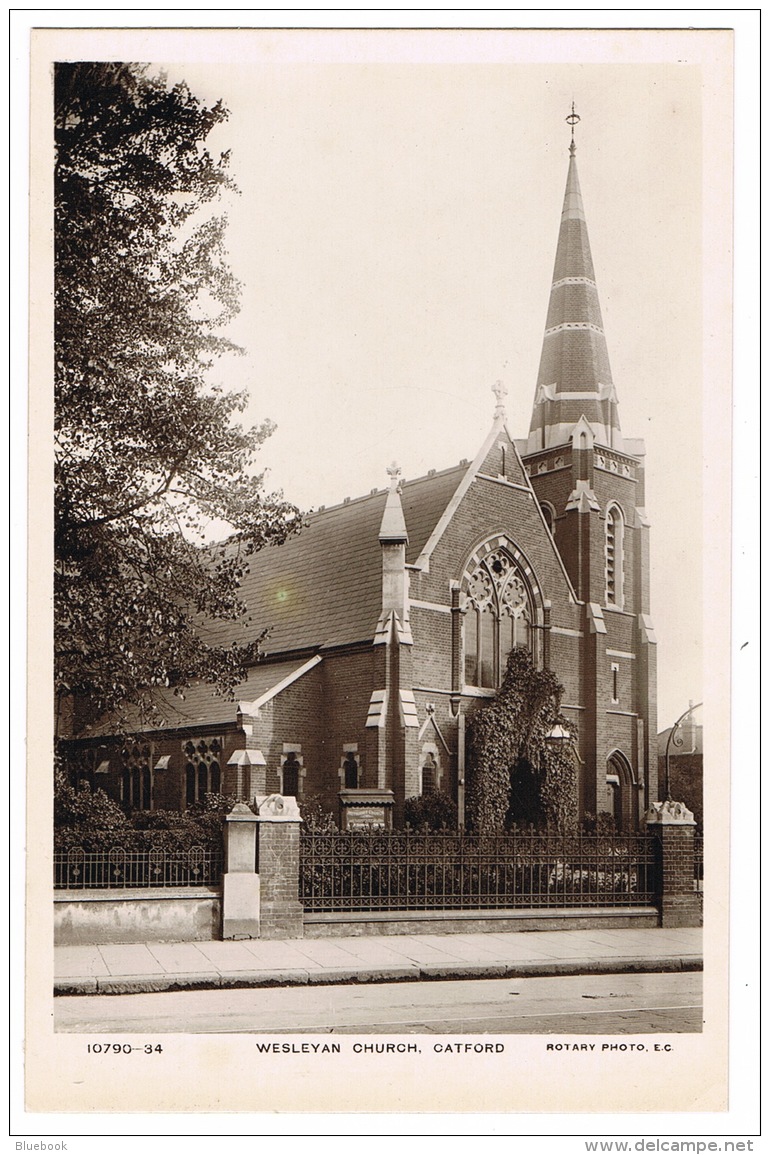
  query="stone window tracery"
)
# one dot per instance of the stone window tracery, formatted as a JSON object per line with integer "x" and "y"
{"x": 136, "y": 777}
{"x": 202, "y": 771}
{"x": 498, "y": 617}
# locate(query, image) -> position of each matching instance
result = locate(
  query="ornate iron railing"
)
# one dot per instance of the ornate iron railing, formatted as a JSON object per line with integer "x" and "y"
{"x": 116, "y": 869}
{"x": 378, "y": 870}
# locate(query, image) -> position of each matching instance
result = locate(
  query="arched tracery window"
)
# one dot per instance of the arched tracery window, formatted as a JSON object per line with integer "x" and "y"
{"x": 498, "y": 617}
{"x": 613, "y": 553}
{"x": 202, "y": 769}
{"x": 136, "y": 777}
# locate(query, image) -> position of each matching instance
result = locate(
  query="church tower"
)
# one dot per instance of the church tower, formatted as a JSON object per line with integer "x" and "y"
{"x": 589, "y": 481}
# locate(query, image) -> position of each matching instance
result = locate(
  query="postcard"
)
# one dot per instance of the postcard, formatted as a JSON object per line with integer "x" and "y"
{"x": 381, "y": 730}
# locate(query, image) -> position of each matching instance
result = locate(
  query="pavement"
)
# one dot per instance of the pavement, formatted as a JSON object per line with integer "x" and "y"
{"x": 131, "y": 968}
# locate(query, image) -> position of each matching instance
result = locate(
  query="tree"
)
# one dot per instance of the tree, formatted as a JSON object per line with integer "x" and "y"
{"x": 517, "y": 774}
{"x": 147, "y": 450}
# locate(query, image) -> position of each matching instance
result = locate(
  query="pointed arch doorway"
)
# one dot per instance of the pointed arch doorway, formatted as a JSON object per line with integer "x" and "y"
{"x": 621, "y": 792}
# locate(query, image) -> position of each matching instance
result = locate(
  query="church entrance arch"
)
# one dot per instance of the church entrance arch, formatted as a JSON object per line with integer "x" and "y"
{"x": 621, "y": 792}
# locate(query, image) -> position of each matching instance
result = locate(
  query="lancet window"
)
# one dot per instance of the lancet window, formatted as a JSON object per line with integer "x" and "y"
{"x": 613, "y": 552}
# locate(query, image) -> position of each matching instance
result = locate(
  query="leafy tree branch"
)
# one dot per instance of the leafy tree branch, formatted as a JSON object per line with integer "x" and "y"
{"x": 148, "y": 446}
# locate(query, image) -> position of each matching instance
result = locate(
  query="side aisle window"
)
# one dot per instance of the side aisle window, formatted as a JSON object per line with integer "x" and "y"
{"x": 350, "y": 766}
{"x": 292, "y": 770}
{"x": 136, "y": 777}
{"x": 202, "y": 768}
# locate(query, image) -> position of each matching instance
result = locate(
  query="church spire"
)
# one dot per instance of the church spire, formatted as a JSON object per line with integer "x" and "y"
{"x": 574, "y": 379}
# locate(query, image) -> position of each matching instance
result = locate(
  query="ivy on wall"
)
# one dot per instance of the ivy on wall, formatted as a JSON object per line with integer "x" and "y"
{"x": 517, "y": 773}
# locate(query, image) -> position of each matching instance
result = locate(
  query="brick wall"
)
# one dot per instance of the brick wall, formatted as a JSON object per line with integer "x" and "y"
{"x": 325, "y": 710}
{"x": 280, "y": 912}
{"x": 490, "y": 508}
{"x": 680, "y": 905}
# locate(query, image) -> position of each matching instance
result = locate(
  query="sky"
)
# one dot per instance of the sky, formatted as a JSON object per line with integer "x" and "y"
{"x": 395, "y": 235}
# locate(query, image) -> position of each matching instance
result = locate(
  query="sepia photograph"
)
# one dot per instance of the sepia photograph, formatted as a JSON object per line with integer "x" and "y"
{"x": 375, "y": 371}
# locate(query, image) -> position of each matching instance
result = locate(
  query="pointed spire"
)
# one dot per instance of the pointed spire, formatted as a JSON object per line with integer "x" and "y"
{"x": 393, "y": 525}
{"x": 574, "y": 378}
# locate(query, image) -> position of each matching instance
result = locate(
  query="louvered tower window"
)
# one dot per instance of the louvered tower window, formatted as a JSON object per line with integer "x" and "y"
{"x": 613, "y": 528}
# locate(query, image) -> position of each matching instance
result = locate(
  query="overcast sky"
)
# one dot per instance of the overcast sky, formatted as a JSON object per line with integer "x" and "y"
{"x": 395, "y": 236}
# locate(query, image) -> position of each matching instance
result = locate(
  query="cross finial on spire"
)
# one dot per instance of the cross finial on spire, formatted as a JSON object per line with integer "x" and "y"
{"x": 572, "y": 120}
{"x": 500, "y": 392}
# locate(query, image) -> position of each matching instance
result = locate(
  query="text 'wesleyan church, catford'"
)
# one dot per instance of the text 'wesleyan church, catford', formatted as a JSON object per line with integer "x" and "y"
{"x": 391, "y": 615}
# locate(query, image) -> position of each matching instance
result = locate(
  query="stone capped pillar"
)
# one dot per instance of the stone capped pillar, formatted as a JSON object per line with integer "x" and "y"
{"x": 674, "y": 827}
{"x": 240, "y": 883}
{"x": 281, "y": 914}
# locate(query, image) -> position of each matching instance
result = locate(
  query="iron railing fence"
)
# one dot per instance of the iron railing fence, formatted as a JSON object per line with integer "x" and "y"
{"x": 406, "y": 870}
{"x": 117, "y": 868}
{"x": 698, "y": 861}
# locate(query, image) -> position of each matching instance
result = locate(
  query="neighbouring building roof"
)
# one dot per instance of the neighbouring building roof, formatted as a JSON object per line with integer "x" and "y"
{"x": 692, "y": 741}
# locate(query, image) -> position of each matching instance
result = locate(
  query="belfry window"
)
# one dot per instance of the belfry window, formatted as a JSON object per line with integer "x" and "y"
{"x": 613, "y": 553}
{"x": 498, "y": 616}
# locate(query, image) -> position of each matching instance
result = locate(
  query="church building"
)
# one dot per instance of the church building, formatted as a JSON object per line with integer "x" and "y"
{"x": 391, "y": 615}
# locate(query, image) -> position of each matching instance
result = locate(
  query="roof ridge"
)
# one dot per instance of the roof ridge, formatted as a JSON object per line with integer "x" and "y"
{"x": 462, "y": 464}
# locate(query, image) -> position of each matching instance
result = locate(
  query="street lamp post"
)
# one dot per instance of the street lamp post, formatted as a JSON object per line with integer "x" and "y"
{"x": 676, "y": 739}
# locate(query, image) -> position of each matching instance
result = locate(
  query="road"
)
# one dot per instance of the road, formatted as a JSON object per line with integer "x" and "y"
{"x": 573, "y": 1005}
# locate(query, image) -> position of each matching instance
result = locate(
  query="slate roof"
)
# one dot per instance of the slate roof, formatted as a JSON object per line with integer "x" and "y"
{"x": 200, "y": 704}
{"x": 323, "y": 587}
